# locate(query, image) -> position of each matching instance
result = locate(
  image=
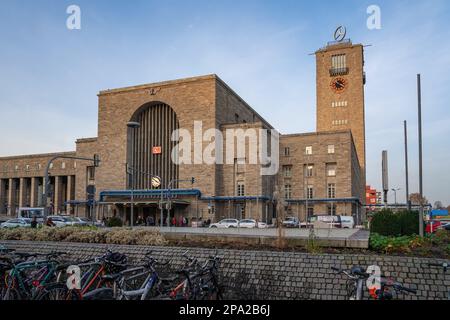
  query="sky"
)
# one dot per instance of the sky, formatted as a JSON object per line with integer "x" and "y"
{"x": 50, "y": 75}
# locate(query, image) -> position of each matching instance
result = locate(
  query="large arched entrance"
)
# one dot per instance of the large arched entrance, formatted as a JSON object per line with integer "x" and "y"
{"x": 150, "y": 146}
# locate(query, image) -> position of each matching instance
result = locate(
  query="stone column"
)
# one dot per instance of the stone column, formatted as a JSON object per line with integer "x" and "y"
{"x": 3, "y": 196}
{"x": 57, "y": 195}
{"x": 22, "y": 194}
{"x": 69, "y": 193}
{"x": 33, "y": 192}
{"x": 11, "y": 197}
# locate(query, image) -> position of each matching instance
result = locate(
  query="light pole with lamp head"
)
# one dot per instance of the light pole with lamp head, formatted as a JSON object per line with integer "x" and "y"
{"x": 133, "y": 125}
{"x": 395, "y": 194}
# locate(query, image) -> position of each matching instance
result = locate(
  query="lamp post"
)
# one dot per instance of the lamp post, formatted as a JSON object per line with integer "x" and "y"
{"x": 395, "y": 194}
{"x": 133, "y": 126}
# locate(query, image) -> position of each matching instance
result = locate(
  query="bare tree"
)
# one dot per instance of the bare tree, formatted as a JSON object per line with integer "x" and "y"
{"x": 438, "y": 205}
{"x": 417, "y": 200}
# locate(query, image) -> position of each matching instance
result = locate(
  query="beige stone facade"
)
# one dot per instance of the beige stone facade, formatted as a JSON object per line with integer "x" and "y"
{"x": 236, "y": 189}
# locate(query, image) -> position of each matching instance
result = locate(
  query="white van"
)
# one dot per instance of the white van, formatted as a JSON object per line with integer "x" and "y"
{"x": 29, "y": 213}
{"x": 347, "y": 222}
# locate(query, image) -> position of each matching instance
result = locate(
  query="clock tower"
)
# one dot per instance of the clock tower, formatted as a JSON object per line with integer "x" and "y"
{"x": 340, "y": 92}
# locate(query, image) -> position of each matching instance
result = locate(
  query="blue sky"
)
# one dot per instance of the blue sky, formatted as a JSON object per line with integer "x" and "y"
{"x": 49, "y": 75}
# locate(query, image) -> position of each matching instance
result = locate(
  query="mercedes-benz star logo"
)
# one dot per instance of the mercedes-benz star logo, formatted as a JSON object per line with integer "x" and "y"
{"x": 340, "y": 33}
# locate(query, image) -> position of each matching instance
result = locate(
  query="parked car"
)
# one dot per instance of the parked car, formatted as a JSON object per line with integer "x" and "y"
{"x": 225, "y": 223}
{"x": 251, "y": 223}
{"x": 62, "y": 221}
{"x": 432, "y": 226}
{"x": 291, "y": 222}
{"x": 347, "y": 222}
{"x": 17, "y": 223}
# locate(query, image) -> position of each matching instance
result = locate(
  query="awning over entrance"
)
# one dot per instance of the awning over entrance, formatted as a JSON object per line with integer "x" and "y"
{"x": 325, "y": 200}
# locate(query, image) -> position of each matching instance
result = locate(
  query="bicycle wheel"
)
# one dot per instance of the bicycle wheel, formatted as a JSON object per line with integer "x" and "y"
{"x": 57, "y": 291}
{"x": 11, "y": 294}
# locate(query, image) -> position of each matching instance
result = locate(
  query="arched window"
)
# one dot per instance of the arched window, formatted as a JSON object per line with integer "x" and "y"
{"x": 151, "y": 146}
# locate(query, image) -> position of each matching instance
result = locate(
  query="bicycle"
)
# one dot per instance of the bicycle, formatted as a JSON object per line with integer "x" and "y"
{"x": 200, "y": 281}
{"x": 27, "y": 279}
{"x": 149, "y": 288}
{"x": 357, "y": 276}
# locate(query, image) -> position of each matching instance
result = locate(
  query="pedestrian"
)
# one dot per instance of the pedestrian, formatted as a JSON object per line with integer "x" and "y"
{"x": 174, "y": 221}
{"x": 34, "y": 222}
{"x": 50, "y": 223}
{"x": 186, "y": 222}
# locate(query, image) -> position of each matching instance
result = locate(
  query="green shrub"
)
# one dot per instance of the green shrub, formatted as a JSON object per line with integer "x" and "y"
{"x": 114, "y": 222}
{"x": 409, "y": 222}
{"x": 403, "y": 244}
{"x": 385, "y": 223}
{"x": 388, "y": 223}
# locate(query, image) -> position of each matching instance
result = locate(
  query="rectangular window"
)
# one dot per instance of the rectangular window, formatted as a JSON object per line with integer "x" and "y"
{"x": 310, "y": 192}
{"x": 287, "y": 151}
{"x": 27, "y": 167}
{"x": 308, "y": 150}
{"x": 287, "y": 191}
{"x": 63, "y": 165}
{"x": 90, "y": 174}
{"x": 338, "y": 61}
{"x": 330, "y": 148}
{"x": 16, "y": 168}
{"x": 331, "y": 169}
{"x": 309, "y": 170}
{"x": 310, "y": 211}
{"x": 240, "y": 189}
{"x": 287, "y": 171}
{"x": 331, "y": 190}
{"x": 331, "y": 210}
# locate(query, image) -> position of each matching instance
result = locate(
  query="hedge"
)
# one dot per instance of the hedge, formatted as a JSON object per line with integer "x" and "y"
{"x": 388, "y": 223}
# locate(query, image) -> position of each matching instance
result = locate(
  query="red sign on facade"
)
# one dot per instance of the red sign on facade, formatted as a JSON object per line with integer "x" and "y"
{"x": 156, "y": 150}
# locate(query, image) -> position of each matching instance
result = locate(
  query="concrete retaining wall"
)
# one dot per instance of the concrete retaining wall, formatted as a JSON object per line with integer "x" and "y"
{"x": 276, "y": 275}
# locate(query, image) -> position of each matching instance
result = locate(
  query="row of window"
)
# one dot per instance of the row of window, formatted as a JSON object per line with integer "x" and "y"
{"x": 308, "y": 170}
{"x": 309, "y": 150}
{"x": 339, "y": 122}
{"x": 331, "y": 191}
{"x": 38, "y": 166}
{"x": 336, "y": 104}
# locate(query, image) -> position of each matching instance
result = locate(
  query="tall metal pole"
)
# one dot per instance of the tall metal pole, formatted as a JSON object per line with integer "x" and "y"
{"x": 133, "y": 125}
{"x": 408, "y": 202}
{"x": 132, "y": 178}
{"x": 419, "y": 100}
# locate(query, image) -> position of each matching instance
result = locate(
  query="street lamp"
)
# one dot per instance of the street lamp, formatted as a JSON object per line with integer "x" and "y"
{"x": 133, "y": 125}
{"x": 395, "y": 194}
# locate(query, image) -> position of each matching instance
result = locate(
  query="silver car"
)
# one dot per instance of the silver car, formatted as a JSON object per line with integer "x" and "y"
{"x": 16, "y": 223}
{"x": 226, "y": 223}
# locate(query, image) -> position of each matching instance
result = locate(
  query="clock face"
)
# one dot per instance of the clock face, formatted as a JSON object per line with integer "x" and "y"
{"x": 338, "y": 85}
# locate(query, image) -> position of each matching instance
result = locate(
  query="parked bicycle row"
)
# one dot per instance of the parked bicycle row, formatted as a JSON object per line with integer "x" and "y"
{"x": 33, "y": 276}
